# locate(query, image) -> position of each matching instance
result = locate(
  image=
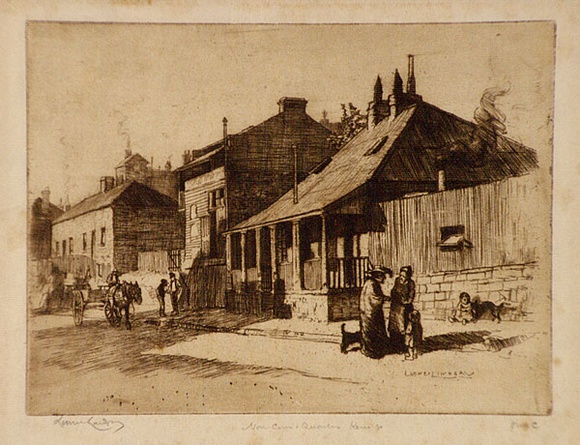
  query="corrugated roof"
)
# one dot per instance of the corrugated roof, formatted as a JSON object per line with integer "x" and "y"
{"x": 349, "y": 169}
{"x": 421, "y": 132}
{"x": 133, "y": 194}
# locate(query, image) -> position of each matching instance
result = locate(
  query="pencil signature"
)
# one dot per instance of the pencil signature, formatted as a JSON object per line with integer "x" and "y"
{"x": 99, "y": 424}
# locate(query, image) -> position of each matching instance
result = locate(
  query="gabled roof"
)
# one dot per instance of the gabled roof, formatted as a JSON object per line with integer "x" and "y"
{"x": 132, "y": 194}
{"x": 406, "y": 148}
{"x": 136, "y": 157}
{"x": 214, "y": 148}
{"x": 349, "y": 169}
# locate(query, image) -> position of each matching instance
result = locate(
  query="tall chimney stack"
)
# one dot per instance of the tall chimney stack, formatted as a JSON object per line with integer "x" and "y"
{"x": 411, "y": 85}
{"x": 441, "y": 180}
{"x": 225, "y": 128}
{"x": 45, "y": 194}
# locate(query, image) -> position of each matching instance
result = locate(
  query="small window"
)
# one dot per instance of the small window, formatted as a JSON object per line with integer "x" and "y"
{"x": 103, "y": 236}
{"x": 194, "y": 231}
{"x": 377, "y": 145}
{"x": 64, "y": 251}
{"x": 236, "y": 247}
{"x": 70, "y": 246}
{"x": 57, "y": 248}
{"x": 453, "y": 239}
{"x": 84, "y": 242}
{"x": 216, "y": 199}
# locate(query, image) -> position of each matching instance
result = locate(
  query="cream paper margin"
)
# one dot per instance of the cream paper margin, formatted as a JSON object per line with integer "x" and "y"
{"x": 558, "y": 428}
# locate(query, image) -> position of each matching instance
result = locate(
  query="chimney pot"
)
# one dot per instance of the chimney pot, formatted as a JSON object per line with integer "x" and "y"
{"x": 107, "y": 183}
{"x": 128, "y": 153}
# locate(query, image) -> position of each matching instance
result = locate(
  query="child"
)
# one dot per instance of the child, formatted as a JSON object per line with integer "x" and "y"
{"x": 464, "y": 311}
{"x": 413, "y": 335}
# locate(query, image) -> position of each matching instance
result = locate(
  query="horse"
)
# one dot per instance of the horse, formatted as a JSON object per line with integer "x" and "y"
{"x": 129, "y": 292}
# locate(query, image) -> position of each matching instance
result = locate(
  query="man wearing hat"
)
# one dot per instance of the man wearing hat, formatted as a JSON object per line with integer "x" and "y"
{"x": 374, "y": 340}
{"x": 174, "y": 288}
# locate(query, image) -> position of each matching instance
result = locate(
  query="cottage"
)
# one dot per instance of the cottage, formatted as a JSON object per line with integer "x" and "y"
{"x": 109, "y": 229}
{"x": 419, "y": 186}
{"x": 238, "y": 176}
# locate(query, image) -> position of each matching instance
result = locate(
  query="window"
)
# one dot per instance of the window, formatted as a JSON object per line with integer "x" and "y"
{"x": 99, "y": 270}
{"x": 103, "y": 238}
{"x": 453, "y": 239}
{"x": 216, "y": 199}
{"x": 57, "y": 248}
{"x": 84, "y": 242}
{"x": 64, "y": 251}
{"x": 70, "y": 246}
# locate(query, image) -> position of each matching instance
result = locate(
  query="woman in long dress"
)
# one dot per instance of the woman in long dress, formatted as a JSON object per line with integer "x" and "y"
{"x": 402, "y": 296}
{"x": 374, "y": 339}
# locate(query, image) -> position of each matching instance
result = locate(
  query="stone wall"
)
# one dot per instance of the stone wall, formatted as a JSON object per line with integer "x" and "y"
{"x": 438, "y": 294}
{"x": 308, "y": 306}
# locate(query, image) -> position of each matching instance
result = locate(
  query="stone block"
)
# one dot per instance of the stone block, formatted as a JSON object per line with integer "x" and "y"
{"x": 439, "y": 296}
{"x": 476, "y": 276}
{"x": 446, "y": 287}
{"x": 461, "y": 277}
{"x": 422, "y": 279}
{"x": 437, "y": 278}
{"x": 427, "y": 305}
{"x": 508, "y": 272}
{"x": 433, "y": 288}
{"x": 421, "y": 288}
{"x": 449, "y": 277}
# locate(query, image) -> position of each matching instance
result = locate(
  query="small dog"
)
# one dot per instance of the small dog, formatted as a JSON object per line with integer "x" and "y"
{"x": 348, "y": 338}
{"x": 482, "y": 308}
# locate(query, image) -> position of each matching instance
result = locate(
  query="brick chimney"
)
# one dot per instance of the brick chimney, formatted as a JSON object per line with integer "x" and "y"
{"x": 45, "y": 194}
{"x": 107, "y": 183}
{"x": 286, "y": 104}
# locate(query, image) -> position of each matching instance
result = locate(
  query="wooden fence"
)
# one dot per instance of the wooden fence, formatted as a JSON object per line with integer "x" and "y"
{"x": 503, "y": 221}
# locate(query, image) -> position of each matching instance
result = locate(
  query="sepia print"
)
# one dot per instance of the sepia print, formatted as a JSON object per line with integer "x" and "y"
{"x": 289, "y": 218}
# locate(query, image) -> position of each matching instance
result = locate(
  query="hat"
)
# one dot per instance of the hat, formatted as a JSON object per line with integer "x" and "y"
{"x": 407, "y": 269}
{"x": 381, "y": 270}
{"x": 171, "y": 274}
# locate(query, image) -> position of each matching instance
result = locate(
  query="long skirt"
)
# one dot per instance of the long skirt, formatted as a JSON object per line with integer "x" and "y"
{"x": 374, "y": 339}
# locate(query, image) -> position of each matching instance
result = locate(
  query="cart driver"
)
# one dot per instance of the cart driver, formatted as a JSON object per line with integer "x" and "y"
{"x": 114, "y": 284}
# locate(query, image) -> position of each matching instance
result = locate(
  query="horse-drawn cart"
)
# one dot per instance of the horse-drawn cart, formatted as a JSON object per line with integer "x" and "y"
{"x": 83, "y": 297}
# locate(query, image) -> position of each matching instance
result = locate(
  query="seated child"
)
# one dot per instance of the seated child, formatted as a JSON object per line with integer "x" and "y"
{"x": 464, "y": 310}
{"x": 413, "y": 334}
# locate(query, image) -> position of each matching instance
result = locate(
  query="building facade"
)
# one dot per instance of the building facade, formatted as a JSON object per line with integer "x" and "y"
{"x": 420, "y": 187}
{"x": 237, "y": 177}
{"x": 109, "y": 229}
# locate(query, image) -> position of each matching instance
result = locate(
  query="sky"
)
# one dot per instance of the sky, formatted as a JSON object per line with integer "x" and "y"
{"x": 95, "y": 89}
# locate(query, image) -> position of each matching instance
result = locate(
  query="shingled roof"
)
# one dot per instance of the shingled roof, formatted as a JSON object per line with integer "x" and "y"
{"x": 402, "y": 149}
{"x": 132, "y": 194}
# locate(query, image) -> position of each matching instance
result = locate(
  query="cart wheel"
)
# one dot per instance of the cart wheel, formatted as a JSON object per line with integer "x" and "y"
{"x": 112, "y": 315}
{"x": 78, "y": 307}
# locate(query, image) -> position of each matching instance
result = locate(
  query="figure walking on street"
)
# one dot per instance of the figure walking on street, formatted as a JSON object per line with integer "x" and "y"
{"x": 174, "y": 291}
{"x": 374, "y": 340}
{"x": 402, "y": 297}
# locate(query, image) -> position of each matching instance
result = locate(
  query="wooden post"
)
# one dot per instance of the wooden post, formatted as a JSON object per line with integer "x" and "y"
{"x": 273, "y": 263}
{"x": 229, "y": 252}
{"x": 258, "y": 297}
{"x": 244, "y": 284}
{"x": 323, "y": 254}
{"x": 297, "y": 282}
{"x": 243, "y": 262}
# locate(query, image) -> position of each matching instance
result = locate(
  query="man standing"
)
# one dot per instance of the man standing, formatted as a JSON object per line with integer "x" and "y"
{"x": 161, "y": 296}
{"x": 174, "y": 290}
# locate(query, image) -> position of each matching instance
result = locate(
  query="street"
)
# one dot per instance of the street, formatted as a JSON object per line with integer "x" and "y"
{"x": 98, "y": 369}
